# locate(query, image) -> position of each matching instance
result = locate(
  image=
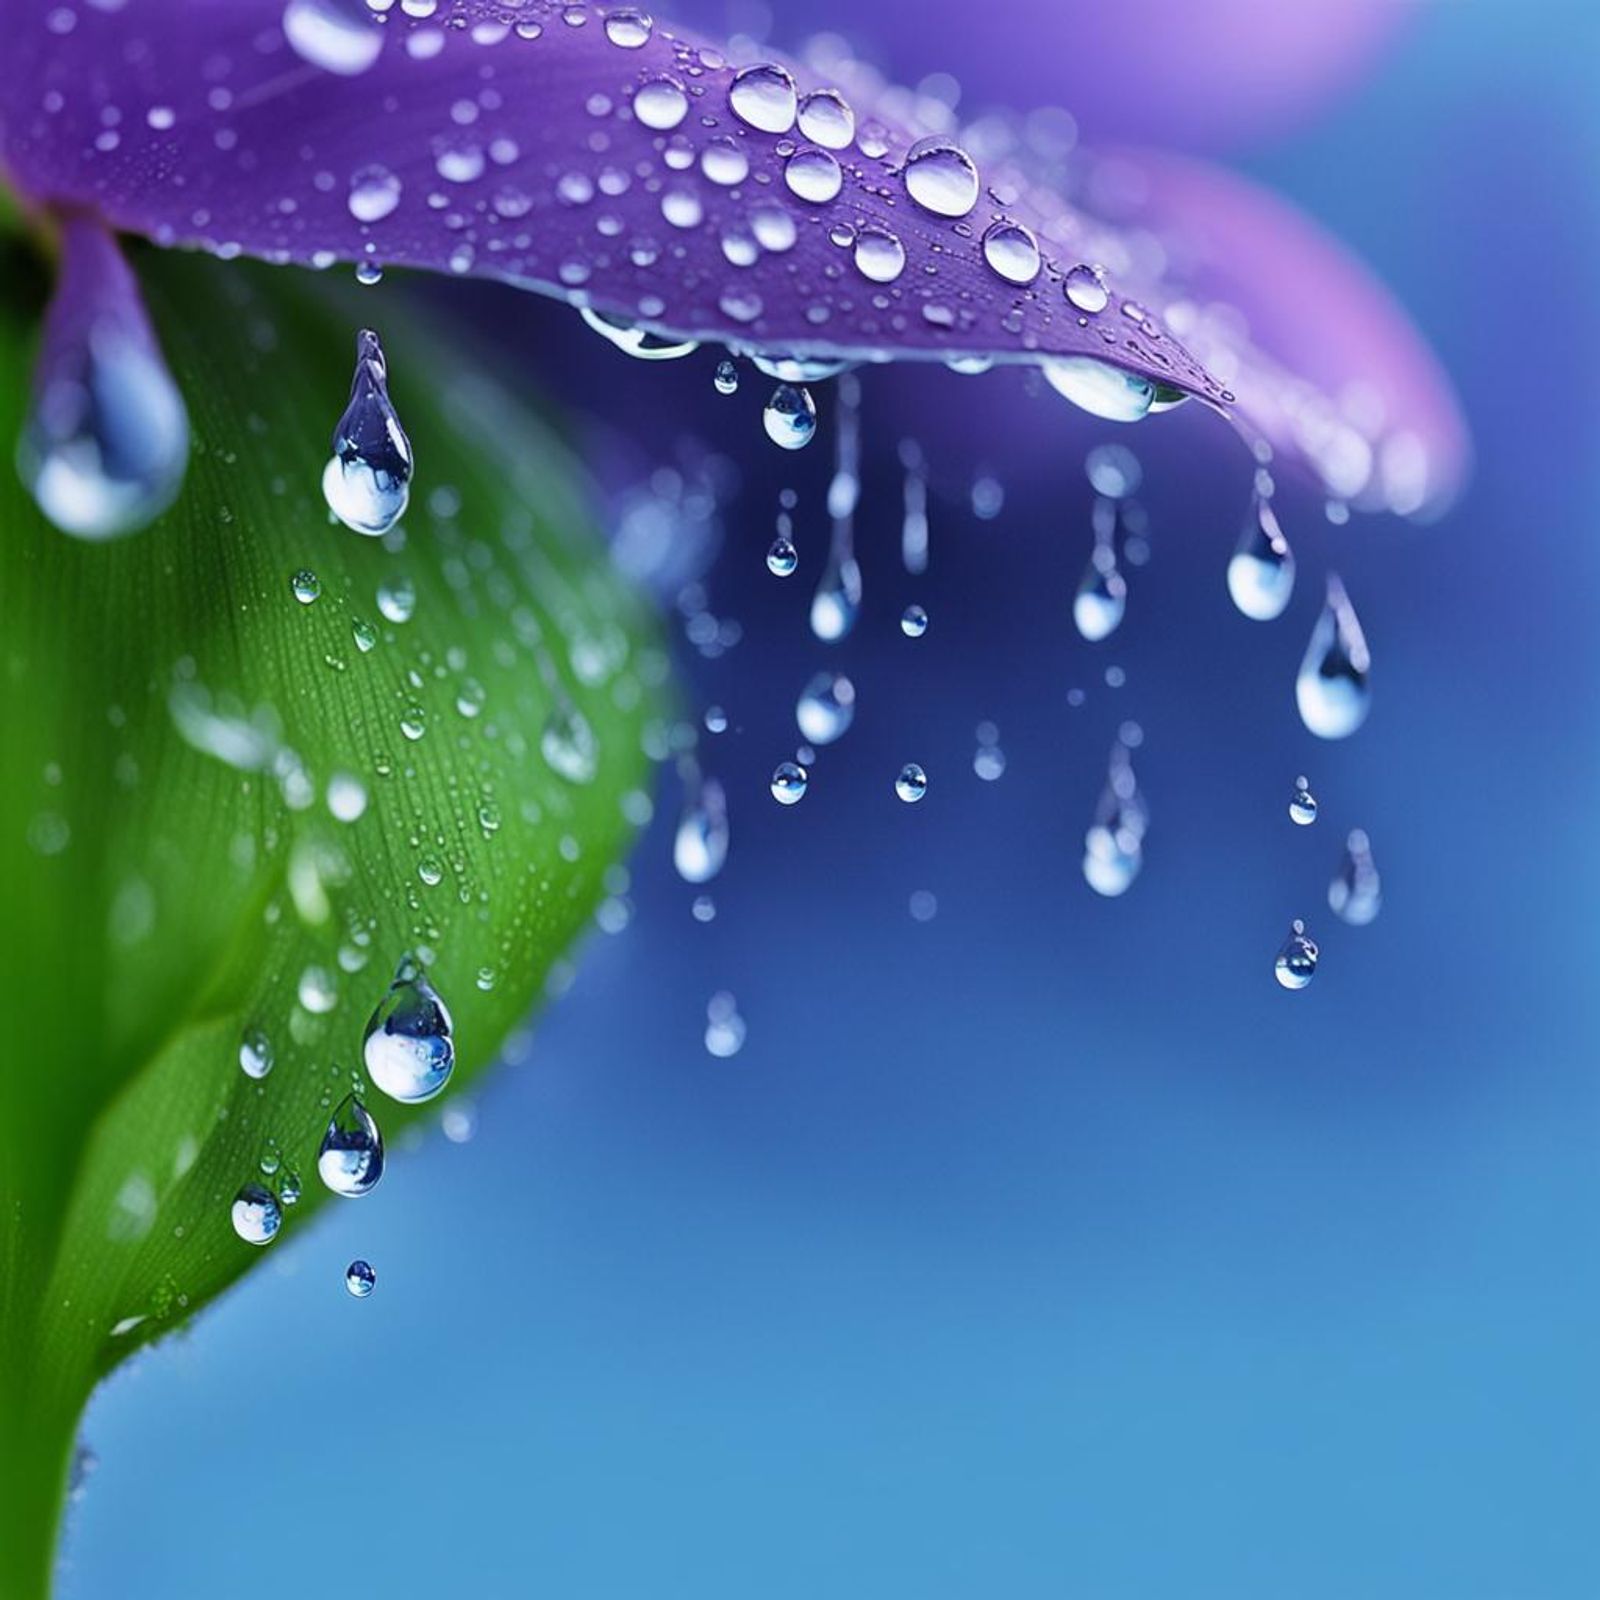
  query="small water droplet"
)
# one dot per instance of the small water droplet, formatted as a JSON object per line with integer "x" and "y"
{"x": 256, "y": 1215}
{"x": 790, "y": 417}
{"x": 700, "y": 846}
{"x": 782, "y": 558}
{"x": 409, "y": 1047}
{"x": 725, "y": 1029}
{"x": 1332, "y": 689}
{"x": 1302, "y": 803}
{"x": 397, "y": 600}
{"x": 726, "y": 378}
{"x": 1296, "y": 962}
{"x": 789, "y": 780}
{"x": 367, "y": 480}
{"x": 1355, "y": 895}
{"x": 826, "y": 708}
{"x": 1085, "y": 287}
{"x": 1011, "y": 251}
{"x": 1261, "y": 569}
{"x": 911, "y": 783}
{"x": 289, "y": 1187}
{"x": 374, "y": 193}
{"x": 360, "y": 1279}
{"x": 826, "y": 119}
{"x": 366, "y": 636}
{"x": 306, "y": 586}
{"x": 255, "y": 1053}
{"x": 763, "y": 96}
{"x": 941, "y": 177}
{"x": 568, "y": 744}
{"x": 913, "y": 622}
{"x": 350, "y": 1157}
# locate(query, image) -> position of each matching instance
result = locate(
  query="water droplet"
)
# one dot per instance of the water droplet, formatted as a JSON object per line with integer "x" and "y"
{"x": 340, "y": 36}
{"x": 1113, "y": 848}
{"x": 826, "y": 119}
{"x": 634, "y": 340}
{"x": 1085, "y": 287}
{"x": 317, "y": 991}
{"x": 397, "y": 600}
{"x": 782, "y": 557}
{"x": 1302, "y": 803}
{"x": 814, "y": 176}
{"x": 374, "y": 193}
{"x": 660, "y": 103}
{"x": 255, "y": 1053}
{"x": 940, "y": 176}
{"x": 306, "y": 586}
{"x": 367, "y": 481}
{"x": 725, "y": 1030}
{"x": 726, "y": 378}
{"x": 1261, "y": 569}
{"x": 409, "y": 1048}
{"x": 826, "y": 708}
{"x": 1332, "y": 689}
{"x": 879, "y": 255}
{"x": 256, "y": 1214}
{"x": 569, "y": 746}
{"x": 789, "y": 780}
{"x": 365, "y": 635}
{"x": 1113, "y": 470}
{"x": 629, "y": 28}
{"x": 790, "y": 417}
{"x": 700, "y": 846}
{"x": 289, "y": 1187}
{"x": 413, "y": 722}
{"x": 1102, "y": 598}
{"x": 1011, "y": 251}
{"x": 836, "y": 604}
{"x": 913, "y": 622}
{"x": 1100, "y": 389}
{"x": 1355, "y": 895}
{"x": 911, "y": 783}
{"x": 360, "y": 1279}
{"x": 763, "y": 96}
{"x": 350, "y": 1158}
{"x": 1296, "y": 962}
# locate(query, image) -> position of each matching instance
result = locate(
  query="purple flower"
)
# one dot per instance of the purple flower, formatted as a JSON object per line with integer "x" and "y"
{"x": 810, "y": 217}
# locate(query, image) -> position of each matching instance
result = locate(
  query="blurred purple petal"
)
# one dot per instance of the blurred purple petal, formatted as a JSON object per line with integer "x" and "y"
{"x": 107, "y": 439}
{"x": 564, "y": 152}
{"x": 1325, "y": 363}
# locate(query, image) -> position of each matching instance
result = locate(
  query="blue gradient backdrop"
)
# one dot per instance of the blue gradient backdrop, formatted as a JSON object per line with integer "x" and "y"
{"x": 1045, "y": 1249}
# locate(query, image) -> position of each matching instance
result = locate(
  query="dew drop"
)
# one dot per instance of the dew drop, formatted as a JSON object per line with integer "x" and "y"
{"x": 409, "y": 1047}
{"x": 879, "y": 255}
{"x": 350, "y": 1157}
{"x": 1355, "y": 895}
{"x": 814, "y": 176}
{"x": 1012, "y": 252}
{"x": 1296, "y": 962}
{"x": 1261, "y": 569}
{"x": 941, "y": 177}
{"x": 255, "y": 1053}
{"x": 911, "y": 783}
{"x": 374, "y": 193}
{"x": 789, "y": 781}
{"x": 367, "y": 480}
{"x": 1302, "y": 803}
{"x": 826, "y": 119}
{"x": 306, "y": 586}
{"x": 1332, "y": 689}
{"x": 1085, "y": 287}
{"x": 629, "y": 28}
{"x": 790, "y": 417}
{"x": 360, "y": 1279}
{"x": 256, "y": 1214}
{"x": 660, "y": 103}
{"x": 763, "y": 96}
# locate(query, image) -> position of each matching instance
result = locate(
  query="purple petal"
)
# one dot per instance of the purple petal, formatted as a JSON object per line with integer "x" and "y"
{"x": 106, "y": 442}
{"x": 546, "y": 152}
{"x": 1325, "y": 363}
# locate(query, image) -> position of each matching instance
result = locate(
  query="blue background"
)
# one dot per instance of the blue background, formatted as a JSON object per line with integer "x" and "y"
{"x": 1046, "y": 1248}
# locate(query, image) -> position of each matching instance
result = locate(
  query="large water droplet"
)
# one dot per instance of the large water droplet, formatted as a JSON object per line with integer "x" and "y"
{"x": 1296, "y": 962}
{"x": 350, "y": 1158}
{"x": 1356, "y": 893}
{"x": 764, "y": 97}
{"x": 941, "y": 177}
{"x": 360, "y": 1279}
{"x": 629, "y": 28}
{"x": 826, "y": 119}
{"x": 1113, "y": 848}
{"x": 367, "y": 483}
{"x": 660, "y": 103}
{"x": 790, "y": 417}
{"x": 409, "y": 1048}
{"x": 782, "y": 557}
{"x": 879, "y": 255}
{"x": 1100, "y": 389}
{"x": 256, "y": 1214}
{"x": 700, "y": 846}
{"x": 340, "y": 36}
{"x": 1085, "y": 287}
{"x": 1332, "y": 689}
{"x": 1261, "y": 569}
{"x": 1011, "y": 251}
{"x": 826, "y": 708}
{"x": 813, "y": 175}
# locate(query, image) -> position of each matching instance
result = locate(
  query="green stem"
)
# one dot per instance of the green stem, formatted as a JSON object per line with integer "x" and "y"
{"x": 36, "y": 1445}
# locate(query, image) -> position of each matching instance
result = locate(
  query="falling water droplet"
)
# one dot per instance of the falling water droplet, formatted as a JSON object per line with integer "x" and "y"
{"x": 914, "y": 506}
{"x": 700, "y": 846}
{"x": 941, "y": 177}
{"x": 726, "y": 378}
{"x": 350, "y": 1157}
{"x": 763, "y": 96}
{"x": 837, "y": 602}
{"x": 725, "y": 1030}
{"x": 255, "y": 1053}
{"x": 911, "y": 783}
{"x": 1085, "y": 287}
{"x": 789, "y": 781}
{"x": 1355, "y": 895}
{"x": 569, "y": 746}
{"x": 913, "y": 622}
{"x": 340, "y": 36}
{"x": 826, "y": 708}
{"x": 790, "y": 417}
{"x": 1113, "y": 848}
{"x": 782, "y": 557}
{"x": 1261, "y": 569}
{"x": 1296, "y": 962}
{"x": 1113, "y": 470}
{"x": 367, "y": 481}
{"x": 1302, "y": 803}
{"x": 1102, "y": 598}
{"x": 1332, "y": 689}
{"x": 409, "y": 1047}
{"x": 256, "y": 1214}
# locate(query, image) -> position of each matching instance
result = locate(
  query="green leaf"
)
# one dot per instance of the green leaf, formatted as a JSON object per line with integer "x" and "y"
{"x": 171, "y": 715}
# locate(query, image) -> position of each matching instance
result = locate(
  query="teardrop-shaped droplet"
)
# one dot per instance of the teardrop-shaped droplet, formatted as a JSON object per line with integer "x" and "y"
{"x": 1302, "y": 804}
{"x": 941, "y": 177}
{"x": 350, "y": 1158}
{"x": 782, "y": 558}
{"x": 836, "y": 604}
{"x": 1355, "y": 895}
{"x": 1102, "y": 598}
{"x": 911, "y": 783}
{"x": 789, "y": 781}
{"x": 367, "y": 482}
{"x": 360, "y": 1279}
{"x": 1261, "y": 569}
{"x": 409, "y": 1048}
{"x": 340, "y": 36}
{"x": 763, "y": 96}
{"x": 826, "y": 708}
{"x": 569, "y": 746}
{"x": 1333, "y": 689}
{"x": 256, "y": 1214}
{"x": 790, "y": 417}
{"x": 1113, "y": 848}
{"x": 1296, "y": 962}
{"x": 700, "y": 846}
{"x": 1099, "y": 388}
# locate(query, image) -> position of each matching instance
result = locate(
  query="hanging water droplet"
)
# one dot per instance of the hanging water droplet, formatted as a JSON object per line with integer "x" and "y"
{"x": 790, "y": 417}
{"x": 879, "y": 255}
{"x": 409, "y": 1047}
{"x": 367, "y": 482}
{"x": 1085, "y": 287}
{"x": 255, "y": 1053}
{"x": 350, "y": 1157}
{"x": 340, "y": 36}
{"x": 1113, "y": 848}
{"x": 911, "y": 783}
{"x": 1355, "y": 895}
{"x": 629, "y": 28}
{"x": 941, "y": 177}
{"x": 660, "y": 103}
{"x": 256, "y": 1215}
{"x": 1296, "y": 962}
{"x": 1098, "y": 388}
{"x": 1302, "y": 803}
{"x": 826, "y": 708}
{"x": 782, "y": 558}
{"x": 726, "y": 378}
{"x": 306, "y": 586}
{"x": 636, "y": 341}
{"x": 360, "y": 1279}
{"x": 1102, "y": 598}
{"x": 763, "y": 96}
{"x": 1261, "y": 569}
{"x": 700, "y": 846}
{"x": 1332, "y": 689}
{"x": 789, "y": 781}
{"x": 913, "y": 622}
{"x": 569, "y": 746}
{"x": 1011, "y": 251}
